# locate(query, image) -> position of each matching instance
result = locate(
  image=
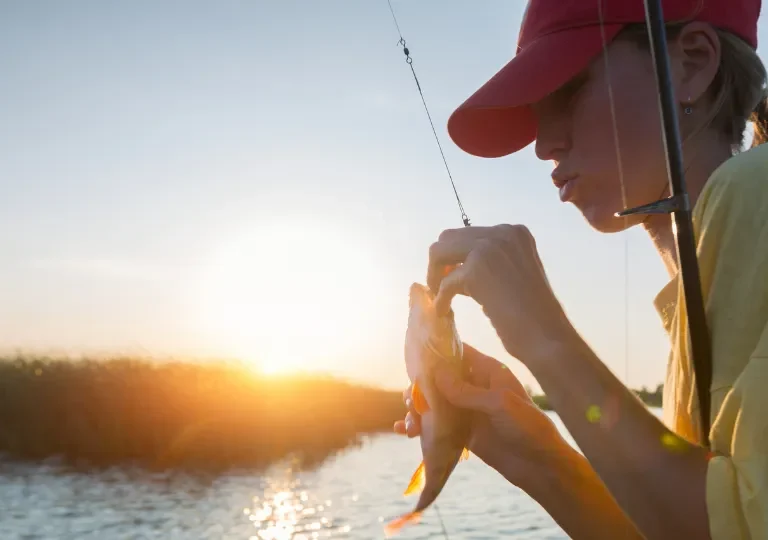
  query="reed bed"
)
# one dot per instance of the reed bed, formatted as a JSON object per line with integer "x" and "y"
{"x": 160, "y": 415}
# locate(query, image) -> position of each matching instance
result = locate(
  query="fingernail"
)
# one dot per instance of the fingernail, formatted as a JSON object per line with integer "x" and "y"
{"x": 408, "y": 424}
{"x": 408, "y": 402}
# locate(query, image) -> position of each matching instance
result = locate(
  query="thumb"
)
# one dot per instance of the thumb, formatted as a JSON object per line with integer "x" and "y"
{"x": 461, "y": 393}
{"x": 450, "y": 286}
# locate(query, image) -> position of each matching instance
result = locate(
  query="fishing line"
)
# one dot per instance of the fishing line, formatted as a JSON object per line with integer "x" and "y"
{"x": 464, "y": 217}
{"x": 617, "y": 146}
{"x": 409, "y": 61}
{"x": 442, "y": 523}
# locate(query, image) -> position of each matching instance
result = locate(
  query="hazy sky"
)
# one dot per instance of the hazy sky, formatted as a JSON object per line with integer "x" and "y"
{"x": 259, "y": 178}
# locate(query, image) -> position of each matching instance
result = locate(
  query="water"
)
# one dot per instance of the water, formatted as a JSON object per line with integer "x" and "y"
{"x": 350, "y": 496}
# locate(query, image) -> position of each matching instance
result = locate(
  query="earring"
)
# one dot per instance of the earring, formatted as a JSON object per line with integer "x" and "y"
{"x": 688, "y": 109}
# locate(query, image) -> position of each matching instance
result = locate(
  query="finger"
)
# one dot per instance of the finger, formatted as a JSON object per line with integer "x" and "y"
{"x": 458, "y": 281}
{"x": 449, "y": 287}
{"x": 412, "y": 425}
{"x": 407, "y": 397}
{"x": 450, "y": 250}
{"x": 411, "y": 429}
{"x": 454, "y": 245}
{"x": 462, "y": 393}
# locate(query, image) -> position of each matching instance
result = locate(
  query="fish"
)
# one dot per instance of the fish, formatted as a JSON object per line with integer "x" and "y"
{"x": 432, "y": 339}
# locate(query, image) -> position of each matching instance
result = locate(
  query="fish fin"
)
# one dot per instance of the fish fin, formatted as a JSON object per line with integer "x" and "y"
{"x": 394, "y": 526}
{"x": 419, "y": 401}
{"x": 464, "y": 455}
{"x": 417, "y": 480}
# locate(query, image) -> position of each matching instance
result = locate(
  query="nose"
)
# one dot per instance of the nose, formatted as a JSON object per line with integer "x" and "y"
{"x": 553, "y": 140}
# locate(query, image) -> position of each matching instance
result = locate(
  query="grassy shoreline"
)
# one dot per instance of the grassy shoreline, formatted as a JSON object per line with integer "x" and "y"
{"x": 181, "y": 415}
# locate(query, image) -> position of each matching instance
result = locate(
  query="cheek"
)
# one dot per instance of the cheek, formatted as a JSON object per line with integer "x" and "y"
{"x": 633, "y": 128}
{"x": 638, "y": 124}
{"x": 594, "y": 144}
{"x": 639, "y": 131}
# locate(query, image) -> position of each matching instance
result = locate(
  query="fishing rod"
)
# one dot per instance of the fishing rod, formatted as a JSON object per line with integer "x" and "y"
{"x": 678, "y": 204}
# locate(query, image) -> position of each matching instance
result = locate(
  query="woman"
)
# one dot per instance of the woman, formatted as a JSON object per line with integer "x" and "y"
{"x": 583, "y": 87}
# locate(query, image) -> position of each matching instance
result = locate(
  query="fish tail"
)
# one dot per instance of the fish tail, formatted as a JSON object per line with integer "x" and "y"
{"x": 394, "y": 526}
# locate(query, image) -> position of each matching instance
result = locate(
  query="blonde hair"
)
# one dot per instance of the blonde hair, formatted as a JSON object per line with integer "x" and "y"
{"x": 737, "y": 93}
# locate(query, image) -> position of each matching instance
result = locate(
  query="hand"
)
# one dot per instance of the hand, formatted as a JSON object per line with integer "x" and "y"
{"x": 500, "y": 269}
{"x": 509, "y": 432}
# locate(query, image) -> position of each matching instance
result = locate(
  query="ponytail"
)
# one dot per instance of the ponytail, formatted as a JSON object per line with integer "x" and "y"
{"x": 759, "y": 117}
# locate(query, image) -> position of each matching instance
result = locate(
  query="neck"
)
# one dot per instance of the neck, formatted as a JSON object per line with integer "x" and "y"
{"x": 700, "y": 163}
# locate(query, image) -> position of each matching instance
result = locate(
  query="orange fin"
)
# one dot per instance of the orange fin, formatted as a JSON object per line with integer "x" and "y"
{"x": 417, "y": 480}
{"x": 419, "y": 401}
{"x": 464, "y": 455}
{"x": 394, "y": 526}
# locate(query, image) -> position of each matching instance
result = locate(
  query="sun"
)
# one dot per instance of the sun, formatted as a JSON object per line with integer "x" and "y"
{"x": 292, "y": 297}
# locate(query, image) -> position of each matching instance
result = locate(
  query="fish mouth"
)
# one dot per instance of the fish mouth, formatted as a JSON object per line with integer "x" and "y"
{"x": 417, "y": 288}
{"x": 417, "y": 293}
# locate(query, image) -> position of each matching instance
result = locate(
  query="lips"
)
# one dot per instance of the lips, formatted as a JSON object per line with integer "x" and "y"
{"x": 566, "y": 190}
{"x": 564, "y": 182}
{"x": 560, "y": 177}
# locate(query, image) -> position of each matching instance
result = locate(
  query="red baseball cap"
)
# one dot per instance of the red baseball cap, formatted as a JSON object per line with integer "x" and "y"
{"x": 557, "y": 40}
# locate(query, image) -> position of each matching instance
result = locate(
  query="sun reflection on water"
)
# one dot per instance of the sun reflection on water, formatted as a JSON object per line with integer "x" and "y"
{"x": 287, "y": 512}
{"x": 350, "y": 496}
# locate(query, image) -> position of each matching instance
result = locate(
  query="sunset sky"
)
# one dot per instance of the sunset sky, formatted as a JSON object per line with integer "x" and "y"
{"x": 258, "y": 179}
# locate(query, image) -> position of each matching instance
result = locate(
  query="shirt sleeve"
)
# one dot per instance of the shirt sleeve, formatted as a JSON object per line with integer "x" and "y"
{"x": 732, "y": 245}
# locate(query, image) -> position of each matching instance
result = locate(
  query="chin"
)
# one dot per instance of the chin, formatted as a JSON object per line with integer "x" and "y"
{"x": 605, "y": 221}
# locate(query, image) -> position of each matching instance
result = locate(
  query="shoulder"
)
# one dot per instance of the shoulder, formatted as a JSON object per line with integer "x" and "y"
{"x": 744, "y": 168}
{"x": 735, "y": 198}
{"x": 731, "y": 225}
{"x": 730, "y": 218}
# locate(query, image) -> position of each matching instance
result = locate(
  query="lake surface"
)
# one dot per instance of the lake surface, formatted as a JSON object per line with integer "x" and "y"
{"x": 350, "y": 496}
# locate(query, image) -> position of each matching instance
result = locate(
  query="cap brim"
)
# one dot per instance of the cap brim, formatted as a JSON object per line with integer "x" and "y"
{"x": 496, "y": 120}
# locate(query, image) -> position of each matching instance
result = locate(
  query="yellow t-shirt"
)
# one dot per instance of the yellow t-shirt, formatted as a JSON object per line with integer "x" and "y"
{"x": 731, "y": 228}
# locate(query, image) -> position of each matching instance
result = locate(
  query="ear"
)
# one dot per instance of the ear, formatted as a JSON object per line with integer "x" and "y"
{"x": 694, "y": 61}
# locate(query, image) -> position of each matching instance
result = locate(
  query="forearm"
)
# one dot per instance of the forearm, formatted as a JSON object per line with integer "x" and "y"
{"x": 572, "y": 493}
{"x": 658, "y": 480}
